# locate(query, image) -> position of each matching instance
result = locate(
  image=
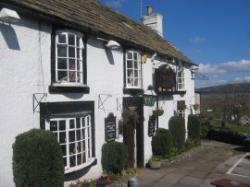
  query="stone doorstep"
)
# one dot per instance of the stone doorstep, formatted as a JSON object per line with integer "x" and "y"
{"x": 229, "y": 183}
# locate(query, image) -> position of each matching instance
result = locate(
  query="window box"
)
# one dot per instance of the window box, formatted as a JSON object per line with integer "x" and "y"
{"x": 54, "y": 89}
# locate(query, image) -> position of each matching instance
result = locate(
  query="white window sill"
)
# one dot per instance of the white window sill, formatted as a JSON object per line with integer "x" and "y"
{"x": 77, "y": 168}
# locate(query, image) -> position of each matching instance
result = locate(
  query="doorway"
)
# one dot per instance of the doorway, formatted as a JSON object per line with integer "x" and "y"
{"x": 134, "y": 130}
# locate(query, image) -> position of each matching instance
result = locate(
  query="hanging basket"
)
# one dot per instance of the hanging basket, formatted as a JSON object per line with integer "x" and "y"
{"x": 158, "y": 112}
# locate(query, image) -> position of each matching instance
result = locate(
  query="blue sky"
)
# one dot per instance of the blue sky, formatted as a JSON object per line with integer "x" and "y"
{"x": 213, "y": 33}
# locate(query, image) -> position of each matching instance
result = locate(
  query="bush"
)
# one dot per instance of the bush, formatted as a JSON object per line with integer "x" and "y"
{"x": 177, "y": 129}
{"x": 194, "y": 128}
{"x": 205, "y": 128}
{"x": 114, "y": 157}
{"x": 37, "y": 160}
{"x": 162, "y": 142}
{"x": 227, "y": 136}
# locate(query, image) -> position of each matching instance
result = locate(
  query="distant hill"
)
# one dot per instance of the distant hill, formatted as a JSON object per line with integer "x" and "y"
{"x": 227, "y": 88}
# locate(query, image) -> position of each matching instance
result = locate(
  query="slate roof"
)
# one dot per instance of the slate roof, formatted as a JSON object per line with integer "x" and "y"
{"x": 98, "y": 18}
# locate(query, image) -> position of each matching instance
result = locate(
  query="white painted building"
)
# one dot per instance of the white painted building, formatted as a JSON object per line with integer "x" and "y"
{"x": 67, "y": 72}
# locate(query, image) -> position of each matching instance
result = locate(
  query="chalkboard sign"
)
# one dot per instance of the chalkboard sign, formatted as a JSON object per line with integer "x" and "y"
{"x": 151, "y": 126}
{"x": 110, "y": 127}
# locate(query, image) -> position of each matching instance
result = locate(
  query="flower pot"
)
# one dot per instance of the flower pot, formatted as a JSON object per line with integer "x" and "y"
{"x": 154, "y": 164}
{"x": 158, "y": 112}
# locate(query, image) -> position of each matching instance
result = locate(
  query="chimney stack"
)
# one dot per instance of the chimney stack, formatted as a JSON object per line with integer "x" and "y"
{"x": 153, "y": 20}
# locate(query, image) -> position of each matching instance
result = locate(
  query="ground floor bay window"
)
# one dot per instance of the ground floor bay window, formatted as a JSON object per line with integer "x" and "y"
{"x": 72, "y": 123}
{"x": 74, "y": 137}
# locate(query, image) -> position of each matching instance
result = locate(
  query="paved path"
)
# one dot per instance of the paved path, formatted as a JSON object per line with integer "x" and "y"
{"x": 211, "y": 162}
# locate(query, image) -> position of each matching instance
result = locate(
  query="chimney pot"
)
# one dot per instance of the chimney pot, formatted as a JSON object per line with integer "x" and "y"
{"x": 149, "y": 10}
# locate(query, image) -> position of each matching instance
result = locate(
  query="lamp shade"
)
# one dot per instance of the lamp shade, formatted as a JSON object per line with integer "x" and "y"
{"x": 9, "y": 16}
{"x": 113, "y": 44}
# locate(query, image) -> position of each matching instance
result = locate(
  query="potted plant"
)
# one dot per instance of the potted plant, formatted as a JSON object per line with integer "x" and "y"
{"x": 158, "y": 112}
{"x": 155, "y": 162}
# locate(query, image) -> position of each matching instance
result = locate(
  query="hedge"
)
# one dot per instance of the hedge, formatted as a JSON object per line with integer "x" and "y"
{"x": 114, "y": 157}
{"x": 227, "y": 136}
{"x": 177, "y": 129}
{"x": 162, "y": 142}
{"x": 194, "y": 128}
{"x": 37, "y": 160}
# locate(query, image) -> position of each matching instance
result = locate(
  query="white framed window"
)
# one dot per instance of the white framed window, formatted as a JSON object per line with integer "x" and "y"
{"x": 69, "y": 48}
{"x": 74, "y": 137}
{"x": 133, "y": 69}
{"x": 180, "y": 78}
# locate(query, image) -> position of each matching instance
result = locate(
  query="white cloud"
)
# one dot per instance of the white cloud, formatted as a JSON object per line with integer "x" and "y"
{"x": 211, "y": 70}
{"x": 197, "y": 40}
{"x": 241, "y": 66}
{"x": 242, "y": 79}
{"x": 115, "y": 3}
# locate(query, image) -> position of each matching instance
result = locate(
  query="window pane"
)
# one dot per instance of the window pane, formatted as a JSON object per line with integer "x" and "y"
{"x": 72, "y": 150}
{"x": 78, "y": 135}
{"x": 84, "y": 158}
{"x": 72, "y": 136}
{"x": 72, "y": 76}
{"x": 129, "y": 80}
{"x": 62, "y": 63}
{"x": 78, "y": 65}
{"x": 72, "y": 52}
{"x": 65, "y": 162}
{"x": 72, "y": 65}
{"x": 53, "y": 125}
{"x": 83, "y": 145}
{"x": 63, "y": 148}
{"x": 61, "y": 38}
{"x": 130, "y": 73}
{"x": 79, "y": 147}
{"x": 72, "y": 123}
{"x": 78, "y": 125}
{"x": 62, "y": 137}
{"x": 83, "y": 122}
{"x": 79, "y": 160}
{"x": 71, "y": 39}
{"x": 136, "y": 73}
{"x": 55, "y": 134}
{"x": 72, "y": 161}
{"x": 79, "y": 77}
{"x": 78, "y": 41}
{"x": 62, "y": 75}
{"x": 62, "y": 125}
{"x": 136, "y": 64}
{"x": 129, "y": 64}
{"x": 129, "y": 55}
{"x": 136, "y": 83}
{"x": 61, "y": 51}
{"x": 135, "y": 56}
{"x": 83, "y": 133}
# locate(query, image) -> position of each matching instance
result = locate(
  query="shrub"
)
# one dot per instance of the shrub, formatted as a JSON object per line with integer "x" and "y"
{"x": 162, "y": 142}
{"x": 114, "y": 157}
{"x": 177, "y": 129}
{"x": 205, "y": 128}
{"x": 37, "y": 160}
{"x": 194, "y": 128}
{"x": 227, "y": 136}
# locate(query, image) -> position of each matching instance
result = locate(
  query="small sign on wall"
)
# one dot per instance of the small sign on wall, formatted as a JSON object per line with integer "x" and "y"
{"x": 151, "y": 126}
{"x": 110, "y": 127}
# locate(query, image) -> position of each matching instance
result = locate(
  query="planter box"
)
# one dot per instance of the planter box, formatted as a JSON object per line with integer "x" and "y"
{"x": 154, "y": 164}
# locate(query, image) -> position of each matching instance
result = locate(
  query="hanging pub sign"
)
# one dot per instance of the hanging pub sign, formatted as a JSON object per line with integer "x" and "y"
{"x": 151, "y": 126}
{"x": 110, "y": 127}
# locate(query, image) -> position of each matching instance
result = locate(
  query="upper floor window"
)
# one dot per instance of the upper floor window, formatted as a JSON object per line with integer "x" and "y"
{"x": 180, "y": 78}
{"x": 69, "y": 58}
{"x": 133, "y": 69}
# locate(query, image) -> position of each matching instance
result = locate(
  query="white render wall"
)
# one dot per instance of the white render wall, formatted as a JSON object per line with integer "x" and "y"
{"x": 25, "y": 59}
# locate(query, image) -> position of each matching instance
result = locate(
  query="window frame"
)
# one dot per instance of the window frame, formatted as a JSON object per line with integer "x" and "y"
{"x": 139, "y": 69}
{"x": 87, "y": 139}
{"x": 81, "y": 59}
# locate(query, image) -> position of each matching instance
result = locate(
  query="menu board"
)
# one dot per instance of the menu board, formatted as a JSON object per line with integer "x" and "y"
{"x": 110, "y": 127}
{"x": 151, "y": 126}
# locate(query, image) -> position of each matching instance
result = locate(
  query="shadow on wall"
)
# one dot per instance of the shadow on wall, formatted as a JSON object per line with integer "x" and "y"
{"x": 9, "y": 36}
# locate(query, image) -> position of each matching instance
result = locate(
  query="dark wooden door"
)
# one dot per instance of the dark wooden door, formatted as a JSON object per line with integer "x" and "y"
{"x": 134, "y": 141}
